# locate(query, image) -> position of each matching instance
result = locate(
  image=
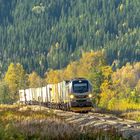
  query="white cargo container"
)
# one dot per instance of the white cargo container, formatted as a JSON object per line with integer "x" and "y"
{"x": 44, "y": 94}
{"x": 33, "y": 93}
{"x": 49, "y": 91}
{"x": 28, "y": 94}
{"x": 39, "y": 94}
{"x": 22, "y": 96}
{"x": 60, "y": 92}
{"x": 65, "y": 93}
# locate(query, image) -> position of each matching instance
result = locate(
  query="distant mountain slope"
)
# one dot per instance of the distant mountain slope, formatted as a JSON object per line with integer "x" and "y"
{"x": 42, "y": 34}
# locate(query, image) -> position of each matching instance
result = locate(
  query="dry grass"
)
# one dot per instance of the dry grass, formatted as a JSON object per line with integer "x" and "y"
{"x": 21, "y": 122}
{"x": 128, "y": 114}
{"x": 134, "y": 115}
{"x": 33, "y": 123}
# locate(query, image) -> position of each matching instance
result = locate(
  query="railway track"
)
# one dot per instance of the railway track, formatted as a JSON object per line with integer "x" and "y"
{"x": 128, "y": 129}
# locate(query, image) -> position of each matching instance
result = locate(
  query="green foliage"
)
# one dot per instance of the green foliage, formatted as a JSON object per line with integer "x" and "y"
{"x": 30, "y": 31}
{"x": 4, "y": 93}
{"x": 96, "y": 78}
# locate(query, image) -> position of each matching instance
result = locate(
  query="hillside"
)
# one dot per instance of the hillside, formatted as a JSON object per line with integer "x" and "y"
{"x": 42, "y": 34}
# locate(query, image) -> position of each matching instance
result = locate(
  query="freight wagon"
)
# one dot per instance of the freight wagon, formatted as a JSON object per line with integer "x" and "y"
{"x": 74, "y": 95}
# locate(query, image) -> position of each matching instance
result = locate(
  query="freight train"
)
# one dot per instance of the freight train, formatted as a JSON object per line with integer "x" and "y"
{"x": 74, "y": 95}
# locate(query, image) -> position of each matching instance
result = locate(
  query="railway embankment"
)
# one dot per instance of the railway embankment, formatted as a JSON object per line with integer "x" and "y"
{"x": 97, "y": 122}
{"x": 128, "y": 129}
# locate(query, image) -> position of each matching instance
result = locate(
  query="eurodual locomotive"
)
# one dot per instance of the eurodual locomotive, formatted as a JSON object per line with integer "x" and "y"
{"x": 74, "y": 95}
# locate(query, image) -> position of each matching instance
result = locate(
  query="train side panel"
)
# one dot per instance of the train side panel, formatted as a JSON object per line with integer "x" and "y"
{"x": 65, "y": 94}
{"x": 38, "y": 93}
{"x": 54, "y": 94}
{"x": 28, "y": 95}
{"x": 63, "y": 91}
{"x": 60, "y": 92}
{"x": 44, "y": 95}
{"x": 49, "y": 92}
{"x": 22, "y": 96}
{"x": 33, "y": 93}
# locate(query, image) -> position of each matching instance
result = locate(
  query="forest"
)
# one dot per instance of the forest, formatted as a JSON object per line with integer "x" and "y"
{"x": 45, "y": 41}
{"x": 45, "y": 34}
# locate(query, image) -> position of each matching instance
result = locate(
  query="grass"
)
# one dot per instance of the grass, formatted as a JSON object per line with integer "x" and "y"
{"x": 123, "y": 105}
{"x": 129, "y": 114}
{"x": 25, "y": 123}
{"x": 135, "y": 115}
{"x": 32, "y": 123}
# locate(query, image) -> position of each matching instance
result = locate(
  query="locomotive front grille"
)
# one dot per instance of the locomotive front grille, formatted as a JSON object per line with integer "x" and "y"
{"x": 79, "y": 101}
{"x": 81, "y": 96}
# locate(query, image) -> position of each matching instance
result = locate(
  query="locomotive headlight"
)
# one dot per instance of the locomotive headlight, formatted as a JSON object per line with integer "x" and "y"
{"x": 71, "y": 96}
{"x": 90, "y": 95}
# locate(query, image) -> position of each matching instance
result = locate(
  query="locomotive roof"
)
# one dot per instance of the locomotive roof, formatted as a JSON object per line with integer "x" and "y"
{"x": 79, "y": 78}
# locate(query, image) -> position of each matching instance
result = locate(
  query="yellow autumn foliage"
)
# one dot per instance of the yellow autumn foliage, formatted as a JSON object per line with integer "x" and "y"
{"x": 15, "y": 78}
{"x": 81, "y": 68}
{"x": 90, "y": 60}
{"x": 122, "y": 91}
{"x": 121, "y": 7}
{"x": 34, "y": 80}
{"x": 71, "y": 71}
{"x": 54, "y": 76}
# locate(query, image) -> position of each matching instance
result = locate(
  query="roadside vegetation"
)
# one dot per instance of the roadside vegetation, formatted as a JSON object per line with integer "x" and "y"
{"x": 31, "y": 123}
{"x": 24, "y": 122}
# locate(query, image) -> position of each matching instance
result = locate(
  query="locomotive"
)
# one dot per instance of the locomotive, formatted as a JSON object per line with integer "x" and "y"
{"x": 74, "y": 95}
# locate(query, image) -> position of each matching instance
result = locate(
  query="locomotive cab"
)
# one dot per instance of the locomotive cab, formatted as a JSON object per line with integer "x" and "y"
{"x": 80, "y": 95}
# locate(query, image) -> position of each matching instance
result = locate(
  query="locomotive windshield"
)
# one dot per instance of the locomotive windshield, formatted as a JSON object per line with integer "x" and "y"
{"x": 80, "y": 86}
